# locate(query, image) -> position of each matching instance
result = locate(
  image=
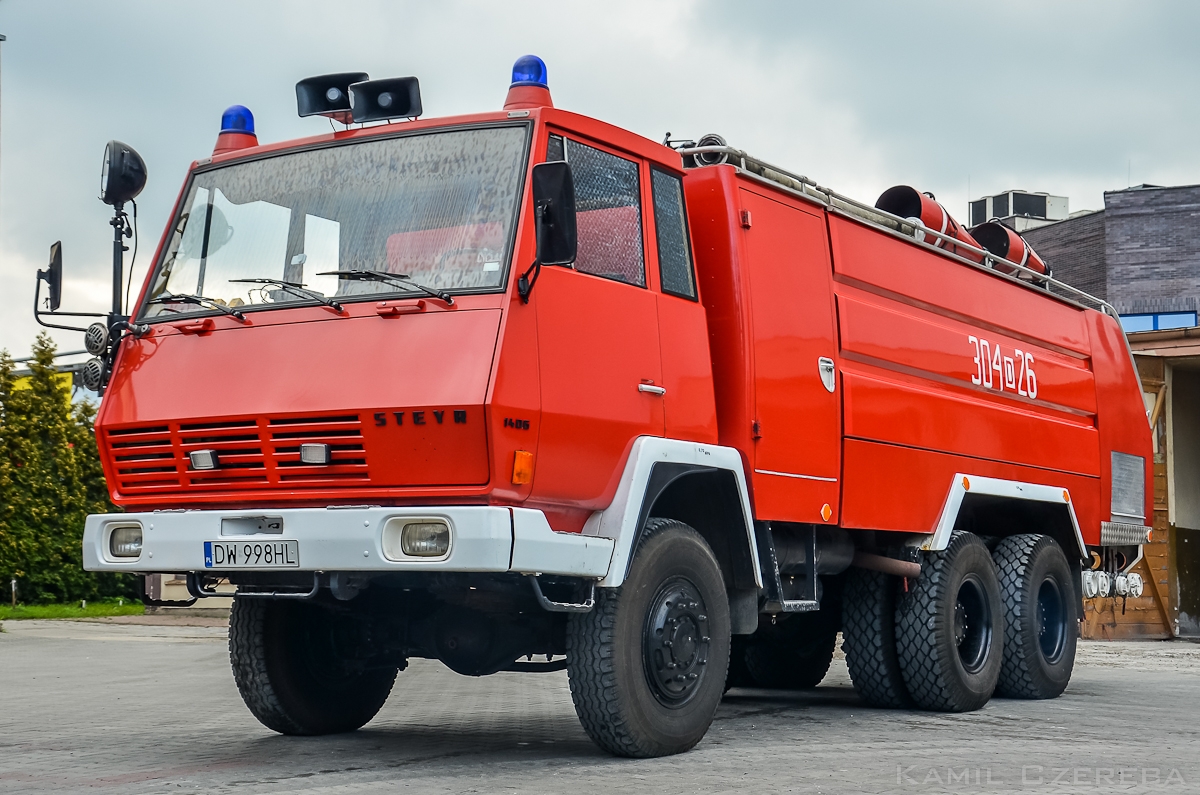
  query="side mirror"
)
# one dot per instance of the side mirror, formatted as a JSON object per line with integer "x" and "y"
{"x": 53, "y": 276}
{"x": 554, "y": 213}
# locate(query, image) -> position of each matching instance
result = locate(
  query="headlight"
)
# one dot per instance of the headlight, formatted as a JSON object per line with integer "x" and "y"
{"x": 421, "y": 538}
{"x": 125, "y": 542}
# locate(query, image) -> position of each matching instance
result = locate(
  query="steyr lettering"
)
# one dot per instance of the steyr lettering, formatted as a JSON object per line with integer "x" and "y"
{"x": 418, "y": 417}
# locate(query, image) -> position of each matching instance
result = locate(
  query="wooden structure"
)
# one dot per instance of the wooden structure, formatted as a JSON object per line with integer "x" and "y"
{"x": 1169, "y": 367}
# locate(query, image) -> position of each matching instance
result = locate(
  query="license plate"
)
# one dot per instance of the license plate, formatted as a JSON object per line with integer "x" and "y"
{"x": 251, "y": 554}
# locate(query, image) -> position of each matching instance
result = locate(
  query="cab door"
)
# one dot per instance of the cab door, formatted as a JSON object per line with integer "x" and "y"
{"x": 797, "y": 450}
{"x": 598, "y": 346}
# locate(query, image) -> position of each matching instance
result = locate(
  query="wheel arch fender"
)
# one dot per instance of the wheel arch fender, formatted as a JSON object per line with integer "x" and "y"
{"x": 701, "y": 485}
{"x": 1001, "y": 508}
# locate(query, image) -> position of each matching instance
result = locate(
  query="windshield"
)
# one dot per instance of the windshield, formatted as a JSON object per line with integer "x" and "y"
{"x": 438, "y": 207}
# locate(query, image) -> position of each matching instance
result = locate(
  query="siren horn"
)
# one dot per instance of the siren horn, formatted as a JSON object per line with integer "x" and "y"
{"x": 394, "y": 98}
{"x": 328, "y": 95}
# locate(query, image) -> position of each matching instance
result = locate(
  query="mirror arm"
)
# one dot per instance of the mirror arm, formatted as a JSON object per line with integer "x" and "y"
{"x": 524, "y": 284}
{"x": 37, "y": 313}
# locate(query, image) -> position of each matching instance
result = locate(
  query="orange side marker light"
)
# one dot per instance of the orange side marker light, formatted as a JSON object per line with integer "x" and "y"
{"x": 966, "y": 484}
{"x": 1066, "y": 496}
{"x": 826, "y": 512}
{"x": 522, "y": 467}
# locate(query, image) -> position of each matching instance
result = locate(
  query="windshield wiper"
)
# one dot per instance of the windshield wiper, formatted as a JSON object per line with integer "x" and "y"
{"x": 397, "y": 279}
{"x": 199, "y": 300}
{"x": 295, "y": 289}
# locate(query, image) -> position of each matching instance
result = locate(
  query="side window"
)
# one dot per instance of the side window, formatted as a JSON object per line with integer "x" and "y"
{"x": 670, "y": 222}
{"x": 609, "y": 211}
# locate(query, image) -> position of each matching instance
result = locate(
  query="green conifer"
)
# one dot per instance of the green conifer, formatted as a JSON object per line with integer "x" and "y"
{"x": 50, "y": 480}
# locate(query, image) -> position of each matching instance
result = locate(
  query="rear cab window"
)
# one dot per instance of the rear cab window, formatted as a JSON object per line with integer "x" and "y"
{"x": 676, "y": 273}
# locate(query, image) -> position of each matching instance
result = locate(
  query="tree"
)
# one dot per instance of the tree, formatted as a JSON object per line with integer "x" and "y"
{"x": 50, "y": 480}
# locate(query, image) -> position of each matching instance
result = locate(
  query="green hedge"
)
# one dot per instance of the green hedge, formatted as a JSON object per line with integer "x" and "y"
{"x": 50, "y": 480}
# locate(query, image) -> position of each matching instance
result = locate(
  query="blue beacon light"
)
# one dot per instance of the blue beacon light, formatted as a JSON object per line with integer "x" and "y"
{"x": 237, "y": 130}
{"x": 237, "y": 119}
{"x": 529, "y": 70}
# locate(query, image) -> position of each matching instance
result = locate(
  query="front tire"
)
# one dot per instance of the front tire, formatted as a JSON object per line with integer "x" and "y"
{"x": 284, "y": 657}
{"x": 950, "y": 628}
{"x": 1037, "y": 586}
{"x": 647, "y": 665}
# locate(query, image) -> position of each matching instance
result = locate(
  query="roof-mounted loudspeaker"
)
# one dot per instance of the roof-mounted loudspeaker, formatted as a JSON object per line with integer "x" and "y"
{"x": 376, "y": 100}
{"x": 327, "y": 95}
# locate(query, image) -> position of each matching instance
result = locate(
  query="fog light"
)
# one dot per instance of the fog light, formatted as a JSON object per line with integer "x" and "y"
{"x": 203, "y": 459}
{"x": 125, "y": 542}
{"x": 425, "y": 539}
{"x": 314, "y": 454}
{"x": 405, "y": 538}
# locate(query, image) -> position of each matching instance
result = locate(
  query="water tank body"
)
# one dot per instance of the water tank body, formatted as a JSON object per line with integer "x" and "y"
{"x": 1004, "y": 241}
{"x": 909, "y": 203}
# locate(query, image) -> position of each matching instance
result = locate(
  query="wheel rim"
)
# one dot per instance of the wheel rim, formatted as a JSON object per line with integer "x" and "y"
{"x": 675, "y": 642}
{"x": 972, "y": 624}
{"x": 1051, "y": 620}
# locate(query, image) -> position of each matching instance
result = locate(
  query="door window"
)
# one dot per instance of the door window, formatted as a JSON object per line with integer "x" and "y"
{"x": 670, "y": 224}
{"x": 609, "y": 211}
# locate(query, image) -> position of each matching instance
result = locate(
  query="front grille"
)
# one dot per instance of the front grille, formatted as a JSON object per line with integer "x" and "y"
{"x": 343, "y": 434}
{"x": 251, "y": 451}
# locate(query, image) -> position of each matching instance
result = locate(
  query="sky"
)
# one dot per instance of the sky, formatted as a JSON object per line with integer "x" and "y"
{"x": 963, "y": 99}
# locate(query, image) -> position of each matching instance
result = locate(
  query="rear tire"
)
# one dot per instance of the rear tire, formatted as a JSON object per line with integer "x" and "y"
{"x": 869, "y": 639}
{"x": 950, "y": 628}
{"x": 284, "y": 662}
{"x": 1041, "y": 628}
{"x": 792, "y": 655}
{"x": 737, "y": 675}
{"x": 647, "y": 665}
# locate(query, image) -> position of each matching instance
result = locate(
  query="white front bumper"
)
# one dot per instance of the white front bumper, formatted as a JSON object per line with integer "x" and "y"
{"x": 482, "y": 539}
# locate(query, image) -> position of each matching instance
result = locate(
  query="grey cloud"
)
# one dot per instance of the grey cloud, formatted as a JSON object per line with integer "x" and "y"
{"x": 859, "y": 95}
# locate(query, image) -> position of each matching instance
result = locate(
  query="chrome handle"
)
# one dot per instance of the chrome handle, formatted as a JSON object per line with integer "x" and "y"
{"x": 652, "y": 389}
{"x": 826, "y": 368}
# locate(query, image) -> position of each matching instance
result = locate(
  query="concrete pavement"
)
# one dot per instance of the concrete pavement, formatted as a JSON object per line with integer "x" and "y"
{"x": 138, "y": 708}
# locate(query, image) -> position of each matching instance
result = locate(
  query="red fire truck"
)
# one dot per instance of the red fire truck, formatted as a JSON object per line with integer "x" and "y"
{"x": 524, "y": 391}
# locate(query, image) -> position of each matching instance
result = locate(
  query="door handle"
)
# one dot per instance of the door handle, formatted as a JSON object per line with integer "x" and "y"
{"x": 652, "y": 389}
{"x": 825, "y": 368}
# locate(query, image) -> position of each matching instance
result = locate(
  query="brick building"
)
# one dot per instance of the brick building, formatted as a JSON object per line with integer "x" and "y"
{"x": 1141, "y": 253}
